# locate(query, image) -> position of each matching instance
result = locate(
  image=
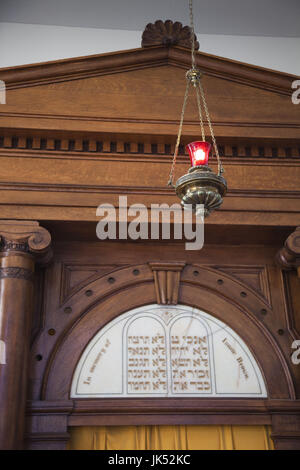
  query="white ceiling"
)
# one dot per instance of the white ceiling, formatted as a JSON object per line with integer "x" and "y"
{"x": 275, "y": 18}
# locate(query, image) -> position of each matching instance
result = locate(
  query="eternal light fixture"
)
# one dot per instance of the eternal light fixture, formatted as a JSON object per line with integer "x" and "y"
{"x": 200, "y": 185}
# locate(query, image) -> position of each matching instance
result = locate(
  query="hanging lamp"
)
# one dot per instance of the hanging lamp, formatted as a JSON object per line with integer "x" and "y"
{"x": 200, "y": 185}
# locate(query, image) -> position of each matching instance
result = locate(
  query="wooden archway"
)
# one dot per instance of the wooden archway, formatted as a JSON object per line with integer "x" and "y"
{"x": 115, "y": 294}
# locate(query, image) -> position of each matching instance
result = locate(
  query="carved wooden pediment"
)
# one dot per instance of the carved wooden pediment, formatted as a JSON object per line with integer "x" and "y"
{"x": 78, "y": 131}
{"x": 79, "y": 94}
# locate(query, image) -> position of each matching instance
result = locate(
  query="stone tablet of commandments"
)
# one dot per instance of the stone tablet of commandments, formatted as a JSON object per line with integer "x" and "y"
{"x": 168, "y": 352}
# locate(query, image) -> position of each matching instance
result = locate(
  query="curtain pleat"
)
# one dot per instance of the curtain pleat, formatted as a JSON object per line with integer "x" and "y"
{"x": 170, "y": 438}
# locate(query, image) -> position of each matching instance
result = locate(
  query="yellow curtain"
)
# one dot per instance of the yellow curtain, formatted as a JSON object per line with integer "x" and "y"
{"x": 170, "y": 438}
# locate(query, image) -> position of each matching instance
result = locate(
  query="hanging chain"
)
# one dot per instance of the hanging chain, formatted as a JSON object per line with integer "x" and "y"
{"x": 193, "y": 77}
{"x": 220, "y": 167}
{"x": 189, "y": 81}
{"x": 170, "y": 182}
{"x": 200, "y": 114}
{"x": 198, "y": 76}
{"x": 192, "y": 33}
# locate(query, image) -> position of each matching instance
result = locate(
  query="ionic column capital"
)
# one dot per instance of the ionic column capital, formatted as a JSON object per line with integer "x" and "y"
{"x": 289, "y": 256}
{"x": 26, "y": 237}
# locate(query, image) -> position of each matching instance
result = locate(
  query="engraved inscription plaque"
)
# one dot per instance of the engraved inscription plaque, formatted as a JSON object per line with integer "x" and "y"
{"x": 167, "y": 351}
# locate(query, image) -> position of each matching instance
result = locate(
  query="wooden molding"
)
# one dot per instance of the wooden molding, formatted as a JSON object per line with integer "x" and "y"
{"x": 168, "y": 33}
{"x": 162, "y": 411}
{"x": 47, "y": 441}
{"x": 106, "y": 144}
{"x": 166, "y": 279}
{"x": 95, "y": 65}
{"x": 51, "y": 419}
{"x": 16, "y": 273}
{"x": 255, "y": 277}
{"x": 289, "y": 256}
{"x": 51, "y": 433}
{"x": 75, "y": 276}
{"x": 286, "y": 430}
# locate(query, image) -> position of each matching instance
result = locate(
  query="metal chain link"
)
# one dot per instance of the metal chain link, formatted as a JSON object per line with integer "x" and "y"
{"x": 186, "y": 94}
{"x": 220, "y": 167}
{"x": 200, "y": 114}
{"x": 192, "y": 33}
{"x": 194, "y": 67}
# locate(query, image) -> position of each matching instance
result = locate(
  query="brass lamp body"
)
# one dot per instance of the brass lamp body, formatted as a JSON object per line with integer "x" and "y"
{"x": 201, "y": 186}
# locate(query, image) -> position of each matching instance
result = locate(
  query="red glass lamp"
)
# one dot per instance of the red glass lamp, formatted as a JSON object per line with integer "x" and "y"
{"x": 198, "y": 152}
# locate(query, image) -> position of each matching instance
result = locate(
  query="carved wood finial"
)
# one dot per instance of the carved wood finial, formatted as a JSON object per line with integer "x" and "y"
{"x": 167, "y": 278}
{"x": 25, "y": 236}
{"x": 289, "y": 256}
{"x": 167, "y": 33}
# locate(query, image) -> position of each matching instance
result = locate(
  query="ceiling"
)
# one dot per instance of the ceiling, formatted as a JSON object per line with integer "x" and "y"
{"x": 276, "y": 18}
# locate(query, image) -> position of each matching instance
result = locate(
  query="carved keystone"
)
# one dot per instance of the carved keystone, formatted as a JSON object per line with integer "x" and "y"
{"x": 167, "y": 278}
{"x": 289, "y": 256}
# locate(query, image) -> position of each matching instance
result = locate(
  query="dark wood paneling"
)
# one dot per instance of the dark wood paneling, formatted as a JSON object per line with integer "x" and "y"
{"x": 259, "y": 321}
{"x": 77, "y": 133}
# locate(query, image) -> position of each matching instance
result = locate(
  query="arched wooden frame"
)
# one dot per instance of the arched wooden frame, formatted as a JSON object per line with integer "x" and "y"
{"x": 131, "y": 287}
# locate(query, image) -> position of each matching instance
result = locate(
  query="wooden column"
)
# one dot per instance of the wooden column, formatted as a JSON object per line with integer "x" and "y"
{"x": 21, "y": 245}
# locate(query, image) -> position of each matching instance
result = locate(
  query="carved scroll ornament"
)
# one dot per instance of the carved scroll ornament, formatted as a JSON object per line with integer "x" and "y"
{"x": 27, "y": 237}
{"x": 289, "y": 256}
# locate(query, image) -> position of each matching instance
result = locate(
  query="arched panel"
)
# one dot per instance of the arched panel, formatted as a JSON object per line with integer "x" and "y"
{"x": 230, "y": 313}
{"x": 167, "y": 351}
